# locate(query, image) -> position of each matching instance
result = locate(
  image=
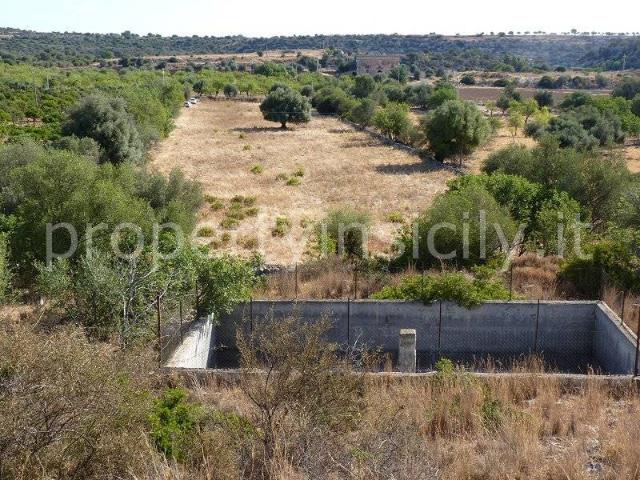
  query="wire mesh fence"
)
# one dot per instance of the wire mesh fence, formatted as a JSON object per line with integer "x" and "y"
{"x": 545, "y": 335}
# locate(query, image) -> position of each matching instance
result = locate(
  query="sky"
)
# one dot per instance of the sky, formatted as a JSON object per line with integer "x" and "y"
{"x": 262, "y": 18}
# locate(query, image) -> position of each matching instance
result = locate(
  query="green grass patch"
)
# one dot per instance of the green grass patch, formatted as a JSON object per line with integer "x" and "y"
{"x": 283, "y": 226}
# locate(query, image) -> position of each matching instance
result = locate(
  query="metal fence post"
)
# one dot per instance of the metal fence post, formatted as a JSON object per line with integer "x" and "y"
{"x": 251, "y": 315}
{"x": 355, "y": 283}
{"x": 535, "y": 334}
{"x": 296, "y": 281}
{"x": 440, "y": 328}
{"x": 348, "y": 322}
{"x": 635, "y": 367}
{"x": 158, "y": 331}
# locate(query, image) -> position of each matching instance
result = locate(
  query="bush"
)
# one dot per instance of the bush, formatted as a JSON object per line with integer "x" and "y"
{"x": 332, "y": 100}
{"x": 107, "y": 122}
{"x": 206, "y": 232}
{"x": 544, "y": 98}
{"x": 283, "y": 226}
{"x": 442, "y": 94}
{"x": 455, "y": 129}
{"x": 307, "y": 91}
{"x": 454, "y": 287}
{"x": 87, "y": 147}
{"x": 230, "y": 90}
{"x": 614, "y": 258}
{"x": 363, "y": 86}
{"x": 327, "y": 395}
{"x": 70, "y": 408}
{"x": 393, "y": 120}
{"x": 628, "y": 88}
{"x": 344, "y": 232}
{"x": 173, "y": 421}
{"x": 635, "y": 105}
{"x": 363, "y": 112}
{"x": 468, "y": 79}
{"x": 461, "y": 228}
{"x": 596, "y": 181}
{"x": 257, "y": 169}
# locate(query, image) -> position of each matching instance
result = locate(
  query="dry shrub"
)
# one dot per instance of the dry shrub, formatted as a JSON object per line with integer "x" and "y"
{"x": 299, "y": 386}
{"x": 326, "y": 278}
{"x": 68, "y": 408}
{"x": 535, "y": 276}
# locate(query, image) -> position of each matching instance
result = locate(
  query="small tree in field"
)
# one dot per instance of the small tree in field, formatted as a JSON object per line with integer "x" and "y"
{"x": 455, "y": 129}
{"x": 230, "y": 90}
{"x": 516, "y": 121}
{"x": 285, "y": 105}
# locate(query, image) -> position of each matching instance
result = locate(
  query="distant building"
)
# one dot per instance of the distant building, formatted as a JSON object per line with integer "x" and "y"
{"x": 372, "y": 64}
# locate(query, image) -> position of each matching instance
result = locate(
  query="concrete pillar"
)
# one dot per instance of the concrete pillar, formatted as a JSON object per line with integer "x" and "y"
{"x": 407, "y": 351}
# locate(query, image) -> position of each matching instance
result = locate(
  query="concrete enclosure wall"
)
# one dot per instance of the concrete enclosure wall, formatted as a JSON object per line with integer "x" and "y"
{"x": 196, "y": 346}
{"x": 576, "y": 333}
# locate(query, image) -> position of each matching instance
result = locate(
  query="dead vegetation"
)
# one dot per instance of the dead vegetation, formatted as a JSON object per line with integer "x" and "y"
{"x": 72, "y": 409}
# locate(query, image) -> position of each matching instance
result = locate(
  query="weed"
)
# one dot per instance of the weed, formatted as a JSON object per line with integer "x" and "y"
{"x": 293, "y": 181}
{"x": 283, "y": 226}
{"x": 249, "y": 242}
{"x": 246, "y": 147}
{"x": 299, "y": 172}
{"x": 206, "y": 232}
{"x": 281, "y": 177}
{"x": 395, "y": 217}
{"x": 257, "y": 169}
{"x": 229, "y": 223}
{"x": 252, "y": 212}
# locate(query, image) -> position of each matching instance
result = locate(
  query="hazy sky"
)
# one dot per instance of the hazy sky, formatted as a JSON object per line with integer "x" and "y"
{"x": 287, "y": 17}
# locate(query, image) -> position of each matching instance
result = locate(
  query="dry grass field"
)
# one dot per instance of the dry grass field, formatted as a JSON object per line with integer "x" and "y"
{"x": 242, "y": 58}
{"x": 219, "y": 142}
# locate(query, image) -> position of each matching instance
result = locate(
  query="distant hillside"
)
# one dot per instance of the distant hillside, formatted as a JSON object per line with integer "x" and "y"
{"x": 19, "y": 46}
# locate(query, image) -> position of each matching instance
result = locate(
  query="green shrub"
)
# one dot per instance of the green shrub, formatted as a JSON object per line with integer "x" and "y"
{"x": 344, "y": 232}
{"x": 257, "y": 169}
{"x": 252, "y": 211}
{"x": 283, "y": 226}
{"x": 455, "y": 129}
{"x": 246, "y": 147}
{"x": 294, "y": 181}
{"x": 451, "y": 231}
{"x": 395, "y": 217}
{"x": 298, "y": 172}
{"x": 229, "y": 223}
{"x": 173, "y": 421}
{"x": 206, "y": 232}
{"x": 455, "y": 287}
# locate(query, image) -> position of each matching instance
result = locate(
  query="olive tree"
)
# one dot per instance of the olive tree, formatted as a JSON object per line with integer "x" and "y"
{"x": 285, "y": 105}
{"x": 106, "y": 121}
{"x": 455, "y": 129}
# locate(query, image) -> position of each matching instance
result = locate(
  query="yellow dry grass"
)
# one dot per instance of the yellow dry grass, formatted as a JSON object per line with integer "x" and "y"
{"x": 632, "y": 153}
{"x": 218, "y": 142}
